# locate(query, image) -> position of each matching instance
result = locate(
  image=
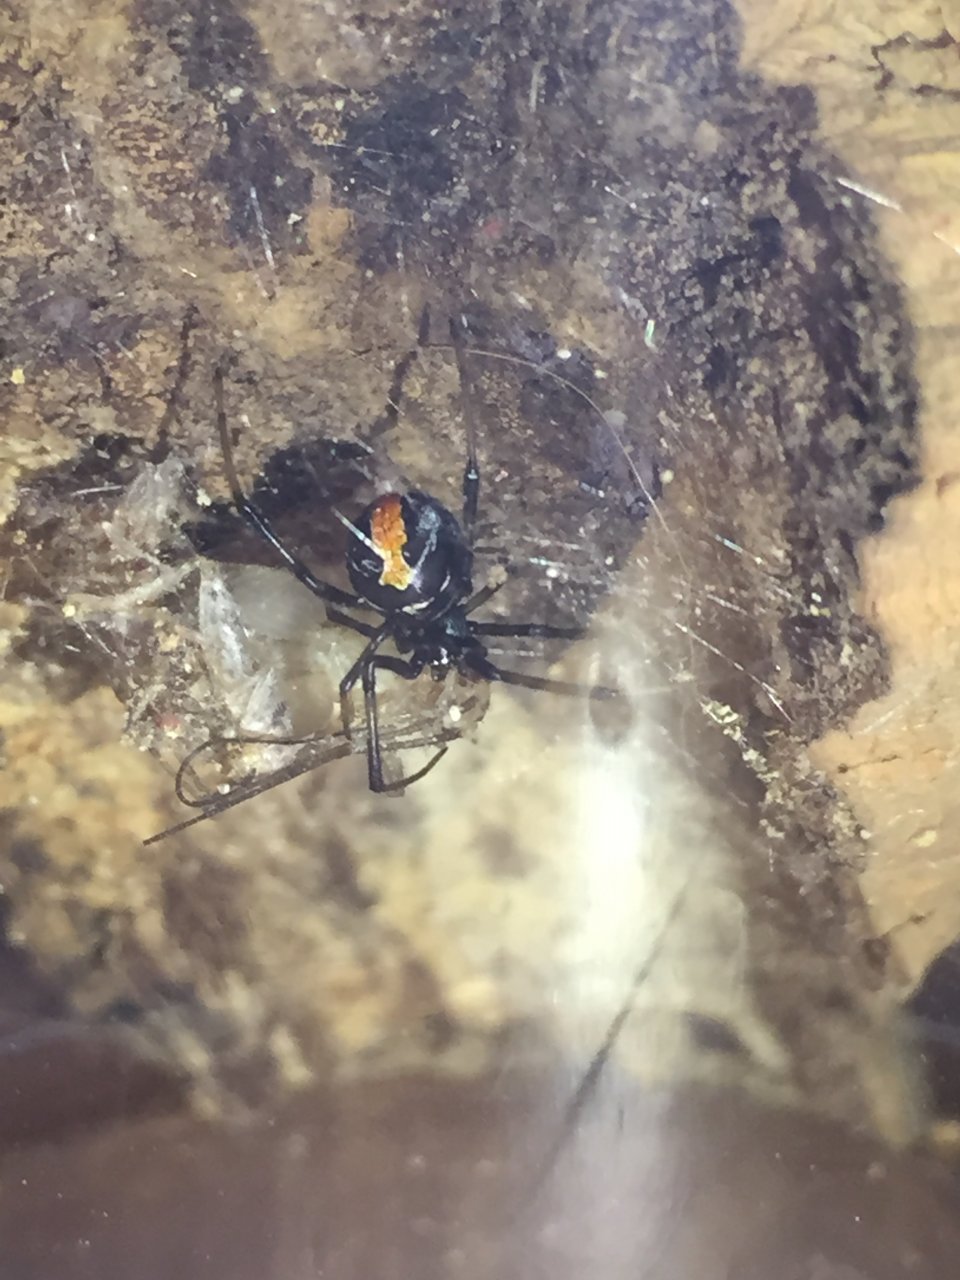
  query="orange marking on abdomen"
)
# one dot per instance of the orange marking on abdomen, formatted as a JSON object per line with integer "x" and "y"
{"x": 388, "y": 533}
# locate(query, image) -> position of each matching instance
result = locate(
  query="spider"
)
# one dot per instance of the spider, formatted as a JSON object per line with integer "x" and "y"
{"x": 410, "y": 560}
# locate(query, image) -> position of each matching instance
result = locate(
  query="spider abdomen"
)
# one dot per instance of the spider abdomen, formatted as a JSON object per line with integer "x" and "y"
{"x": 409, "y": 554}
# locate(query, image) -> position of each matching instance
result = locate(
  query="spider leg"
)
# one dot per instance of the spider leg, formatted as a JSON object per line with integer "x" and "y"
{"x": 516, "y": 630}
{"x": 187, "y": 325}
{"x": 568, "y": 688}
{"x": 471, "y": 470}
{"x": 482, "y": 596}
{"x": 257, "y": 520}
{"x": 344, "y": 620}
{"x": 357, "y": 670}
{"x": 411, "y": 778}
{"x": 391, "y": 411}
{"x": 320, "y": 750}
{"x": 234, "y": 739}
{"x": 407, "y": 671}
{"x": 186, "y": 766}
{"x": 211, "y": 806}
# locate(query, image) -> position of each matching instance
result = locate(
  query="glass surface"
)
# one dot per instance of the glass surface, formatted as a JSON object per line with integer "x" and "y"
{"x": 652, "y": 971}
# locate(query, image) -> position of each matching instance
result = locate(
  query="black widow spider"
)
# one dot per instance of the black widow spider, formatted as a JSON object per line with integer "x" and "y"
{"x": 410, "y": 560}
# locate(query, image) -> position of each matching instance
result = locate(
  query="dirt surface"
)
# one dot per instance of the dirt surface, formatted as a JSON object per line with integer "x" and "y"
{"x": 440, "y": 1179}
{"x": 706, "y": 267}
